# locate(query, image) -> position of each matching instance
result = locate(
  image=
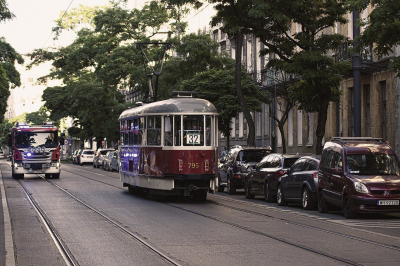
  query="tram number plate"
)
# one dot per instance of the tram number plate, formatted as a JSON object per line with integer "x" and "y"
{"x": 388, "y": 202}
{"x": 193, "y": 138}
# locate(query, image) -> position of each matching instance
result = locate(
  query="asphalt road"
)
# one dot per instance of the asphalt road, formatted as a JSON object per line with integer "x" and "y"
{"x": 87, "y": 218}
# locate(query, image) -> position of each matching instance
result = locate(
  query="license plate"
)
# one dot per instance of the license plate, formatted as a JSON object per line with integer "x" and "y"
{"x": 388, "y": 202}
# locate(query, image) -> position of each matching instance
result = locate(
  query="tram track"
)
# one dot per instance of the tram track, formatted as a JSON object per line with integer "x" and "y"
{"x": 358, "y": 239}
{"x": 271, "y": 236}
{"x": 62, "y": 247}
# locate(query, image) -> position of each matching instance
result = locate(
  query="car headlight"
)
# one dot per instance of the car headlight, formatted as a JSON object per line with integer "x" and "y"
{"x": 360, "y": 187}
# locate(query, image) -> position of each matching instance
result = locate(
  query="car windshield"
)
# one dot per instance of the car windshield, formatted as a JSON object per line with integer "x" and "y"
{"x": 372, "y": 164}
{"x": 289, "y": 162}
{"x": 36, "y": 139}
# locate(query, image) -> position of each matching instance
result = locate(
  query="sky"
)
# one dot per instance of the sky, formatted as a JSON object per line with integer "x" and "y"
{"x": 31, "y": 28}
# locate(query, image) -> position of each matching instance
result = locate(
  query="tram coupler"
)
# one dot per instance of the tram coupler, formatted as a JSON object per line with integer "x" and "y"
{"x": 193, "y": 187}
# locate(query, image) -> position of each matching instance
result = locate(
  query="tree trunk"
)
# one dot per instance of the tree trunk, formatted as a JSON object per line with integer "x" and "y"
{"x": 322, "y": 117}
{"x": 238, "y": 84}
{"x": 282, "y": 132}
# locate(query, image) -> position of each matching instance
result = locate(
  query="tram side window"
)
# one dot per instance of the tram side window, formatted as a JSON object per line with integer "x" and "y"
{"x": 168, "y": 131}
{"x": 153, "y": 130}
{"x": 209, "y": 129}
{"x": 177, "y": 130}
{"x": 122, "y": 135}
{"x": 130, "y": 132}
{"x": 135, "y": 129}
{"x": 193, "y": 130}
{"x": 126, "y": 139}
{"x": 142, "y": 131}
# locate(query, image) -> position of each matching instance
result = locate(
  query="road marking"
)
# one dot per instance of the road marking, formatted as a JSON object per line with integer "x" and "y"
{"x": 8, "y": 240}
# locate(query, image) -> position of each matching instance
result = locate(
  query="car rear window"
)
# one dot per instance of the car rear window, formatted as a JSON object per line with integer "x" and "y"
{"x": 88, "y": 152}
{"x": 288, "y": 162}
{"x": 252, "y": 156}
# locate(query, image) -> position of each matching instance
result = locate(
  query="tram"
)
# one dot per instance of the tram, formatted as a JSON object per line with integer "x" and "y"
{"x": 170, "y": 147}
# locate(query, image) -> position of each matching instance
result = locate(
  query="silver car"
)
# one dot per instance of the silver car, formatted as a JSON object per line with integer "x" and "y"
{"x": 99, "y": 157}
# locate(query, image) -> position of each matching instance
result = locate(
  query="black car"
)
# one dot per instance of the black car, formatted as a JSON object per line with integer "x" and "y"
{"x": 235, "y": 166}
{"x": 264, "y": 179}
{"x": 300, "y": 183}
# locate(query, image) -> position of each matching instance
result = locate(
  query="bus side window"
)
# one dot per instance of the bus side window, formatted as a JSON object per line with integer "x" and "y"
{"x": 122, "y": 135}
{"x": 167, "y": 131}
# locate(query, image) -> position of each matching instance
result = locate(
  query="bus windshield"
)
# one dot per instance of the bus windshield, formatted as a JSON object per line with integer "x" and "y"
{"x": 36, "y": 139}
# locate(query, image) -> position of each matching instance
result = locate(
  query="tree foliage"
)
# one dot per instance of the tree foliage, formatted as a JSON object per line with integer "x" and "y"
{"x": 382, "y": 27}
{"x": 305, "y": 54}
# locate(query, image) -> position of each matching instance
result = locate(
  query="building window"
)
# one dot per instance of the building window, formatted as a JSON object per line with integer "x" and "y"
{"x": 290, "y": 128}
{"x": 384, "y": 124}
{"x": 233, "y": 130}
{"x": 367, "y": 110}
{"x": 299, "y": 128}
{"x": 310, "y": 129}
{"x": 240, "y": 125}
{"x": 266, "y": 120}
{"x": 351, "y": 112}
{"x": 258, "y": 124}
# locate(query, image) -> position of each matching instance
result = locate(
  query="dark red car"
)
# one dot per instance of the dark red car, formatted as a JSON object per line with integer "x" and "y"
{"x": 360, "y": 175}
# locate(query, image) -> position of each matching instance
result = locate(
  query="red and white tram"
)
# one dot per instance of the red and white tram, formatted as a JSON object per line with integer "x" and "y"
{"x": 170, "y": 147}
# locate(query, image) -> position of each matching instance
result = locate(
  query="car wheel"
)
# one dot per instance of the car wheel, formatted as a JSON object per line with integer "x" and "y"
{"x": 231, "y": 187}
{"x": 323, "y": 206}
{"x": 280, "y": 197}
{"x": 267, "y": 192}
{"x": 306, "y": 200}
{"x": 94, "y": 166}
{"x": 110, "y": 168}
{"x": 347, "y": 211}
{"x": 247, "y": 190}
{"x": 220, "y": 187}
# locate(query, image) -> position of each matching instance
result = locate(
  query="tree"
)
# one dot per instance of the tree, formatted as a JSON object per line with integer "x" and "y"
{"x": 5, "y": 13}
{"x": 231, "y": 14}
{"x": 218, "y": 87}
{"x": 304, "y": 54}
{"x": 382, "y": 28}
{"x": 9, "y": 76}
{"x": 38, "y": 117}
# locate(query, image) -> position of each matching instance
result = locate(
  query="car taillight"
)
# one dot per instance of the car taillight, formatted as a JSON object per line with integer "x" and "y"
{"x": 180, "y": 169}
{"x": 279, "y": 173}
{"x": 207, "y": 166}
{"x": 315, "y": 175}
{"x": 17, "y": 154}
{"x": 56, "y": 154}
{"x": 99, "y": 154}
{"x": 82, "y": 156}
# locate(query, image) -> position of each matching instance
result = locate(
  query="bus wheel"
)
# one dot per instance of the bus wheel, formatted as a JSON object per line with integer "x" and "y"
{"x": 55, "y": 176}
{"x": 18, "y": 176}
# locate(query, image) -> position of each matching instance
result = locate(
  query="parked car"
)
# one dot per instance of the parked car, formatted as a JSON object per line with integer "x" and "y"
{"x": 107, "y": 160}
{"x": 264, "y": 179}
{"x": 300, "y": 183}
{"x": 114, "y": 164}
{"x": 360, "y": 175}
{"x": 99, "y": 157}
{"x": 236, "y": 165}
{"x": 86, "y": 156}
{"x": 75, "y": 157}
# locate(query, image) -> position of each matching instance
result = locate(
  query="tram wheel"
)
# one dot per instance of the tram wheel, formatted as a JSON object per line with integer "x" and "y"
{"x": 200, "y": 194}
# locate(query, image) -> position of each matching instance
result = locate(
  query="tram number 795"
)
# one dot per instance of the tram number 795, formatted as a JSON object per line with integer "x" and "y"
{"x": 194, "y": 165}
{"x": 193, "y": 139}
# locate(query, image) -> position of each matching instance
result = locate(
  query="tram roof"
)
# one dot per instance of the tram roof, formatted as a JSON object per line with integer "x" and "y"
{"x": 171, "y": 106}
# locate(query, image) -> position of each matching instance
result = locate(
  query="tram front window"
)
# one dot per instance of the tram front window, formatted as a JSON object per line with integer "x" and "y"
{"x": 193, "y": 130}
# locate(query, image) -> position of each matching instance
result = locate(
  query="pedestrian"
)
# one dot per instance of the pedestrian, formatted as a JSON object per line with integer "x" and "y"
{"x": 223, "y": 153}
